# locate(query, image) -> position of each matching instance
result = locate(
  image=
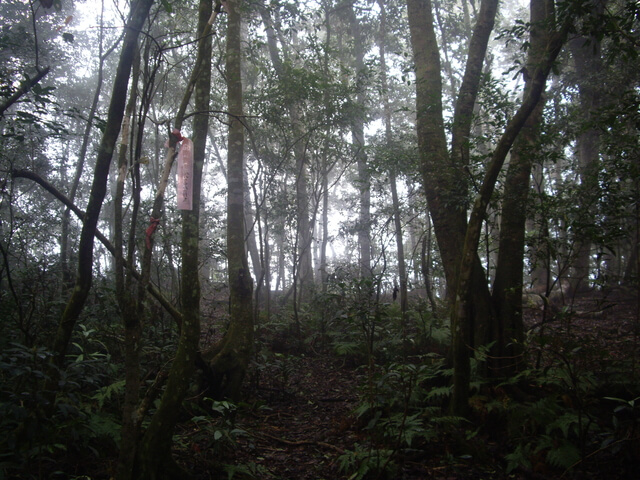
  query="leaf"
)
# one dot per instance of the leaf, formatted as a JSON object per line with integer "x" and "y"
{"x": 167, "y": 6}
{"x": 565, "y": 456}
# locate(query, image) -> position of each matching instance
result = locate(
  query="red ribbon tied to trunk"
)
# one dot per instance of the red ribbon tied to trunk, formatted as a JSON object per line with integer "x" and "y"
{"x": 154, "y": 222}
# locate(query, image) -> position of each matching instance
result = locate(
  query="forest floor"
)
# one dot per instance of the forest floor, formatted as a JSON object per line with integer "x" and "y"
{"x": 301, "y": 418}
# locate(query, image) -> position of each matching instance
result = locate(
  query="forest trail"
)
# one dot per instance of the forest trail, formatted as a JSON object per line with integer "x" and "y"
{"x": 305, "y": 425}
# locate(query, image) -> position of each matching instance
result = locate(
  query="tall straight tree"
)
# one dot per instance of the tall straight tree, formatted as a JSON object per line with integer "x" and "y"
{"x": 230, "y": 358}
{"x": 357, "y": 138}
{"x": 137, "y": 16}
{"x": 588, "y": 64}
{"x": 283, "y": 66}
{"x": 402, "y": 269}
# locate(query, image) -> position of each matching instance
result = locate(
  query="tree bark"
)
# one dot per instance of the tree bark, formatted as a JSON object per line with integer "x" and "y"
{"x": 139, "y": 13}
{"x": 155, "y": 460}
{"x": 508, "y": 284}
{"x": 230, "y": 358}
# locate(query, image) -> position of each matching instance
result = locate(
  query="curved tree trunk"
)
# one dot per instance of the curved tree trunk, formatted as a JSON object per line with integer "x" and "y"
{"x": 66, "y": 216}
{"x": 508, "y": 284}
{"x": 445, "y": 175}
{"x": 461, "y": 316}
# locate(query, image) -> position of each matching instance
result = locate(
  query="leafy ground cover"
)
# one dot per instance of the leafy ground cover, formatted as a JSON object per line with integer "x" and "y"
{"x": 313, "y": 416}
{"x": 352, "y": 402}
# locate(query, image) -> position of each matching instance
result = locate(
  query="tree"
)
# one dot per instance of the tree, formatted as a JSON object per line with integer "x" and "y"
{"x": 458, "y": 240}
{"x": 402, "y": 270}
{"x": 230, "y": 358}
{"x": 507, "y": 285}
{"x": 137, "y": 17}
{"x": 154, "y": 460}
{"x": 359, "y": 146}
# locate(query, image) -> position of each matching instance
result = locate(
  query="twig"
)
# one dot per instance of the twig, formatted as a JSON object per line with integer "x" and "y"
{"x": 298, "y": 443}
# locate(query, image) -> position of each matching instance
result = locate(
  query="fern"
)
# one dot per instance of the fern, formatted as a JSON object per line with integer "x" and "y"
{"x": 567, "y": 424}
{"x": 519, "y": 458}
{"x": 565, "y": 455}
{"x": 105, "y": 392}
{"x": 346, "y": 348}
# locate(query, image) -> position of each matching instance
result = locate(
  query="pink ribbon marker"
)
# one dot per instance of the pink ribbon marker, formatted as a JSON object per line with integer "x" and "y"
{"x": 185, "y": 175}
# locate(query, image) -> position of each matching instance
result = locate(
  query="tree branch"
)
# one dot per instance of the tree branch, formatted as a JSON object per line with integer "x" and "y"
{"x": 27, "y": 85}
{"x": 153, "y": 290}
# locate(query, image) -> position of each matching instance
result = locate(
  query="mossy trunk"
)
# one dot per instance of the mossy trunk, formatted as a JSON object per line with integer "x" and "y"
{"x": 229, "y": 360}
{"x": 154, "y": 460}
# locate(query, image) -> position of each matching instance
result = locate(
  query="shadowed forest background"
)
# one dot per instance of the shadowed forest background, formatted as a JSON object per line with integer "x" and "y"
{"x": 327, "y": 239}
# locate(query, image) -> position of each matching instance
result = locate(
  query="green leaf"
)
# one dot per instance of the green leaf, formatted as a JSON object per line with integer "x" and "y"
{"x": 565, "y": 456}
{"x": 167, "y": 6}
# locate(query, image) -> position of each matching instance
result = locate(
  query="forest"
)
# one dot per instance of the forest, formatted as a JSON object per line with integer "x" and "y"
{"x": 319, "y": 239}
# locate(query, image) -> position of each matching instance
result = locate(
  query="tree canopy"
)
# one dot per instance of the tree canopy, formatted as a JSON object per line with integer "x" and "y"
{"x": 431, "y": 189}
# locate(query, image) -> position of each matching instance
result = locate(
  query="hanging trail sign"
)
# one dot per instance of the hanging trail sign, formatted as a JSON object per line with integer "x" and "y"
{"x": 185, "y": 175}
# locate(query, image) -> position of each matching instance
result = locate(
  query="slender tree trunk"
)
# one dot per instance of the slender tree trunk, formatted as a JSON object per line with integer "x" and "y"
{"x": 139, "y": 13}
{"x": 126, "y": 300}
{"x": 588, "y": 65}
{"x": 155, "y": 460}
{"x": 402, "y": 269}
{"x": 251, "y": 227}
{"x": 231, "y": 357}
{"x": 66, "y": 217}
{"x": 507, "y": 286}
{"x": 357, "y": 136}
{"x": 302, "y": 256}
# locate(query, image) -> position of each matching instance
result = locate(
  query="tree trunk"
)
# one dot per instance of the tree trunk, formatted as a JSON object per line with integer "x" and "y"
{"x": 445, "y": 176}
{"x": 302, "y": 261}
{"x": 357, "y": 136}
{"x": 462, "y": 312}
{"x": 126, "y": 300}
{"x": 507, "y": 286}
{"x": 139, "y": 13}
{"x": 471, "y": 315}
{"x": 586, "y": 55}
{"x": 402, "y": 270}
{"x": 230, "y": 358}
{"x": 66, "y": 217}
{"x": 155, "y": 460}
